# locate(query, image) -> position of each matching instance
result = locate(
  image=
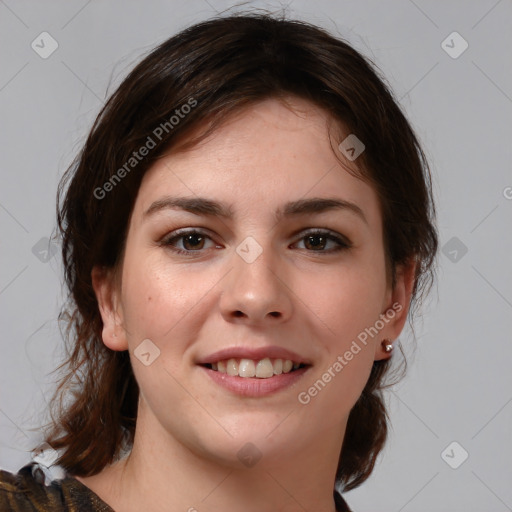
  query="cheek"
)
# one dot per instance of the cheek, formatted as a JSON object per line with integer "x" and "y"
{"x": 345, "y": 299}
{"x": 159, "y": 302}
{"x": 156, "y": 296}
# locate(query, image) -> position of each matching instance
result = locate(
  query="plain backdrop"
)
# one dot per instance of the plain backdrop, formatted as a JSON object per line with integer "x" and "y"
{"x": 455, "y": 401}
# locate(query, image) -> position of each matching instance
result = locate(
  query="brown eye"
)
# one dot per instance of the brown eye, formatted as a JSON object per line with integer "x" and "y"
{"x": 315, "y": 242}
{"x": 187, "y": 242}
{"x": 324, "y": 242}
{"x": 193, "y": 241}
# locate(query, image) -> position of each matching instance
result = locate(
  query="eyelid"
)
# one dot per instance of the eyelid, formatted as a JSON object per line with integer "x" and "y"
{"x": 343, "y": 242}
{"x": 182, "y": 232}
{"x": 321, "y": 231}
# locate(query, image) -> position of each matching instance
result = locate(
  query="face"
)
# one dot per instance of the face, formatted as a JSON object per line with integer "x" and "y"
{"x": 256, "y": 245}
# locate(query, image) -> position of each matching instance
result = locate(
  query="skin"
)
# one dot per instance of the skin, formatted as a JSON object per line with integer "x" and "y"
{"x": 312, "y": 301}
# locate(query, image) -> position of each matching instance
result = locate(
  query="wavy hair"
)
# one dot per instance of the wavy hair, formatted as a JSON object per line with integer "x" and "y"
{"x": 223, "y": 65}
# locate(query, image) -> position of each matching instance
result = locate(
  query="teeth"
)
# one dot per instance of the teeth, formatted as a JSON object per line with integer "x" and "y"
{"x": 287, "y": 366}
{"x": 263, "y": 369}
{"x": 232, "y": 367}
{"x": 246, "y": 368}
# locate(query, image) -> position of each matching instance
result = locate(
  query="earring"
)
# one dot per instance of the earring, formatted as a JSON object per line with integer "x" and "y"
{"x": 386, "y": 345}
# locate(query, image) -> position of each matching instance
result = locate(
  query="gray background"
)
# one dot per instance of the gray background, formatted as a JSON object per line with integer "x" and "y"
{"x": 458, "y": 387}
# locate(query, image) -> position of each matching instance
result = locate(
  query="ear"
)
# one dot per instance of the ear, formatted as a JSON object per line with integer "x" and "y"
{"x": 103, "y": 282}
{"x": 396, "y": 307}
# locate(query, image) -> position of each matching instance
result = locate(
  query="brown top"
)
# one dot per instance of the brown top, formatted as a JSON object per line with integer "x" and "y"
{"x": 27, "y": 492}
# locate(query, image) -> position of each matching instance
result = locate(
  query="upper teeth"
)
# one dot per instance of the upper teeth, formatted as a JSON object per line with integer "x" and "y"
{"x": 262, "y": 369}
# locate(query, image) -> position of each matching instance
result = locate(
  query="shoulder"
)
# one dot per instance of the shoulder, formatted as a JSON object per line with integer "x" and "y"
{"x": 26, "y": 491}
{"x": 29, "y": 490}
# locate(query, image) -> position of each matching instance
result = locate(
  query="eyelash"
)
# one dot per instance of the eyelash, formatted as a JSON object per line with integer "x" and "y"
{"x": 343, "y": 244}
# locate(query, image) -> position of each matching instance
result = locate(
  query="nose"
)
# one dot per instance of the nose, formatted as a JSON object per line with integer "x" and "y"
{"x": 257, "y": 292}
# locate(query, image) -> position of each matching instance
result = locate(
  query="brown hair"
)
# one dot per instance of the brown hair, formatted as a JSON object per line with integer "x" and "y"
{"x": 216, "y": 68}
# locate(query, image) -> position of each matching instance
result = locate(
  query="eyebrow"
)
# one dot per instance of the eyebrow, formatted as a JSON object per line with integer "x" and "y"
{"x": 208, "y": 207}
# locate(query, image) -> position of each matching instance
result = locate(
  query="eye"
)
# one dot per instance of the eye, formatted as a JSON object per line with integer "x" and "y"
{"x": 324, "y": 241}
{"x": 187, "y": 241}
{"x": 190, "y": 242}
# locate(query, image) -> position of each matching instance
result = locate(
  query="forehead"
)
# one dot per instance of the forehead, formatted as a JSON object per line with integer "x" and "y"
{"x": 262, "y": 156}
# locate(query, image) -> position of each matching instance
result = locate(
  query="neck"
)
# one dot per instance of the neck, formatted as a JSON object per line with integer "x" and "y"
{"x": 160, "y": 471}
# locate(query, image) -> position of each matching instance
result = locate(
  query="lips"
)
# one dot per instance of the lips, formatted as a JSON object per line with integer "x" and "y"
{"x": 255, "y": 371}
{"x": 254, "y": 354}
{"x": 255, "y": 387}
{"x": 262, "y": 369}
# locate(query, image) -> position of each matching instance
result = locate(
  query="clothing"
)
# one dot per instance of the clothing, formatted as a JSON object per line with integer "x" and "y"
{"x": 31, "y": 491}
{"x": 26, "y": 491}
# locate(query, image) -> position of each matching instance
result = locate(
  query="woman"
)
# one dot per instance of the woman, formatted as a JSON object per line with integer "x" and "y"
{"x": 244, "y": 233}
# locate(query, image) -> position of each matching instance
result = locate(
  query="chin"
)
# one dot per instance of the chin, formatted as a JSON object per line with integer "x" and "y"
{"x": 246, "y": 439}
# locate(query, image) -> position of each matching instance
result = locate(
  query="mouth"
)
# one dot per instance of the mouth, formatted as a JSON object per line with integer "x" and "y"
{"x": 265, "y": 368}
{"x": 255, "y": 371}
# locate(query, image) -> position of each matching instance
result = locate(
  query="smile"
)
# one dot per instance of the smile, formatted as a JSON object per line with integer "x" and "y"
{"x": 261, "y": 369}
